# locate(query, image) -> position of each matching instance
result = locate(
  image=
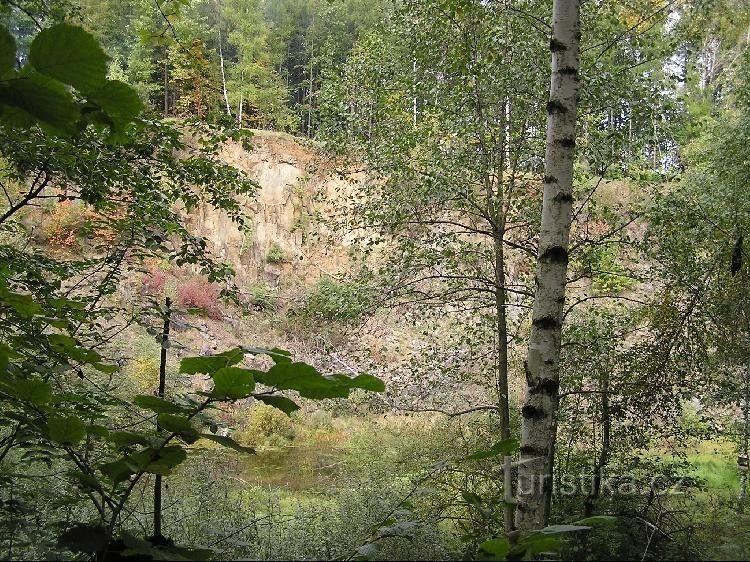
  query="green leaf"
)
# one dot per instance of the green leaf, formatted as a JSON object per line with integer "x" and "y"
{"x": 558, "y": 529}
{"x": 233, "y": 383}
{"x": 303, "y": 378}
{"x": 123, "y": 439}
{"x": 22, "y": 304}
{"x": 279, "y": 402}
{"x": 604, "y": 520}
{"x": 496, "y": 549}
{"x": 67, "y": 346}
{"x": 209, "y": 364}
{"x": 66, "y": 430}
{"x": 278, "y": 355}
{"x": 535, "y": 543}
{"x": 7, "y": 51}
{"x": 118, "y": 100}
{"x": 166, "y": 459}
{"x": 118, "y": 471}
{"x": 179, "y": 425}
{"x": 151, "y": 459}
{"x": 228, "y": 442}
{"x": 504, "y": 447}
{"x": 364, "y": 381}
{"x": 158, "y": 405}
{"x": 32, "y": 390}
{"x": 71, "y": 55}
{"x": 3, "y": 359}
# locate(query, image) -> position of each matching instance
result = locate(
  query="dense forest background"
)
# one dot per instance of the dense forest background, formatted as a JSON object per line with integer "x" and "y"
{"x": 349, "y": 279}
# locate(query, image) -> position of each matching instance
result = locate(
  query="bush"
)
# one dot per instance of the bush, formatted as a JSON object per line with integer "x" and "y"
{"x": 333, "y": 300}
{"x": 265, "y": 426}
{"x": 276, "y": 254}
{"x": 262, "y": 297}
{"x": 143, "y": 373}
{"x": 65, "y": 224}
{"x": 200, "y": 295}
{"x": 153, "y": 281}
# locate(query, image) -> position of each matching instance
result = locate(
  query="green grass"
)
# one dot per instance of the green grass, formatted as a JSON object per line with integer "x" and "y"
{"x": 716, "y": 464}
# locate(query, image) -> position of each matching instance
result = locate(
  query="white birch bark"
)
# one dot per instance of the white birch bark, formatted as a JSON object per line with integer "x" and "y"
{"x": 223, "y": 77}
{"x": 539, "y": 423}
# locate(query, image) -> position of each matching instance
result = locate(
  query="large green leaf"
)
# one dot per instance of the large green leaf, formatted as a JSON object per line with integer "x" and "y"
{"x": 209, "y": 364}
{"x": 70, "y": 54}
{"x": 158, "y": 405}
{"x": 363, "y": 381}
{"x": 504, "y": 447}
{"x": 124, "y": 439}
{"x": 24, "y": 305}
{"x": 233, "y": 383}
{"x": 179, "y": 425}
{"x": 66, "y": 430}
{"x": 4, "y": 356}
{"x": 7, "y": 51}
{"x": 278, "y": 355}
{"x": 118, "y": 100}
{"x": 32, "y": 390}
{"x": 165, "y": 459}
{"x": 280, "y": 402}
{"x": 310, "y": 383}
{"x": 152, "y": 460}
{"x": 303, "y": 378}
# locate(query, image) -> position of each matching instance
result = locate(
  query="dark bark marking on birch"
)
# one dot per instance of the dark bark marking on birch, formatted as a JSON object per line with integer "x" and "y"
{"x": 532, "y": 451}
{"x": 563, "y": 197}
{"x": 556, "y": 46}
{"x": 554, "y": 106}
{"x": 545, "y": 323}
{"x": 546, "y": 386}
{"x": 566, "y": 142}
{"x": 555, "y": 254}
{"x": 532, "y": 412}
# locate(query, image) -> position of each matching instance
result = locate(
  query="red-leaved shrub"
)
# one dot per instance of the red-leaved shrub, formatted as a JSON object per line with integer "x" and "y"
{"x": 153, "y": 282}
{"x": 202, "y": 295}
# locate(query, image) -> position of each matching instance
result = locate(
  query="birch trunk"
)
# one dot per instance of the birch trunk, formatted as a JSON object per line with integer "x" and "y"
{"x": 223, "y": 77}
{"x": 539, "y": 413}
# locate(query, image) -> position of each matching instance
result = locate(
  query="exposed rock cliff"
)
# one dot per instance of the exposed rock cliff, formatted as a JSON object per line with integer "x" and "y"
{"x": 285, "y": 237}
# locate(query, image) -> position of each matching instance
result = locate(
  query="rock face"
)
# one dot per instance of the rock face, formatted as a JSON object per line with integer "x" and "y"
{"x": 285, "y": 235}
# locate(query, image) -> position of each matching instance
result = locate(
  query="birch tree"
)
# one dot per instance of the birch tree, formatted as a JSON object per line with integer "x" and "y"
{"x": 539, "y": 427}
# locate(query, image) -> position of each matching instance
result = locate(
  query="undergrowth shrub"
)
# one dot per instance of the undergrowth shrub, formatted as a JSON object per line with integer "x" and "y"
{"x": 276, "y": 254}
{"x": 153, "y": 281}
{"x": 66, "y": 223}
{"x": 143, "y": 373}
{"x": 263, "y": 297}
{"x": 336, "y": 301}
{"x": 265, "y": 426}
{"x": 200, "y": 295}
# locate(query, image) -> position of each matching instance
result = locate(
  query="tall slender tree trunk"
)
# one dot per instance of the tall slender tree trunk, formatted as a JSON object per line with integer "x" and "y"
{"x": 539, "y": 413}
{"x": 224, "y": 77}
{"x": 310, "y": 88}
{"x": 166, "y": 83}
{"x": 502, "y": 380}
{"x": 162, "y": 384}
{"x": 745, "y": 438}
{"x": 601, "y": 462}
